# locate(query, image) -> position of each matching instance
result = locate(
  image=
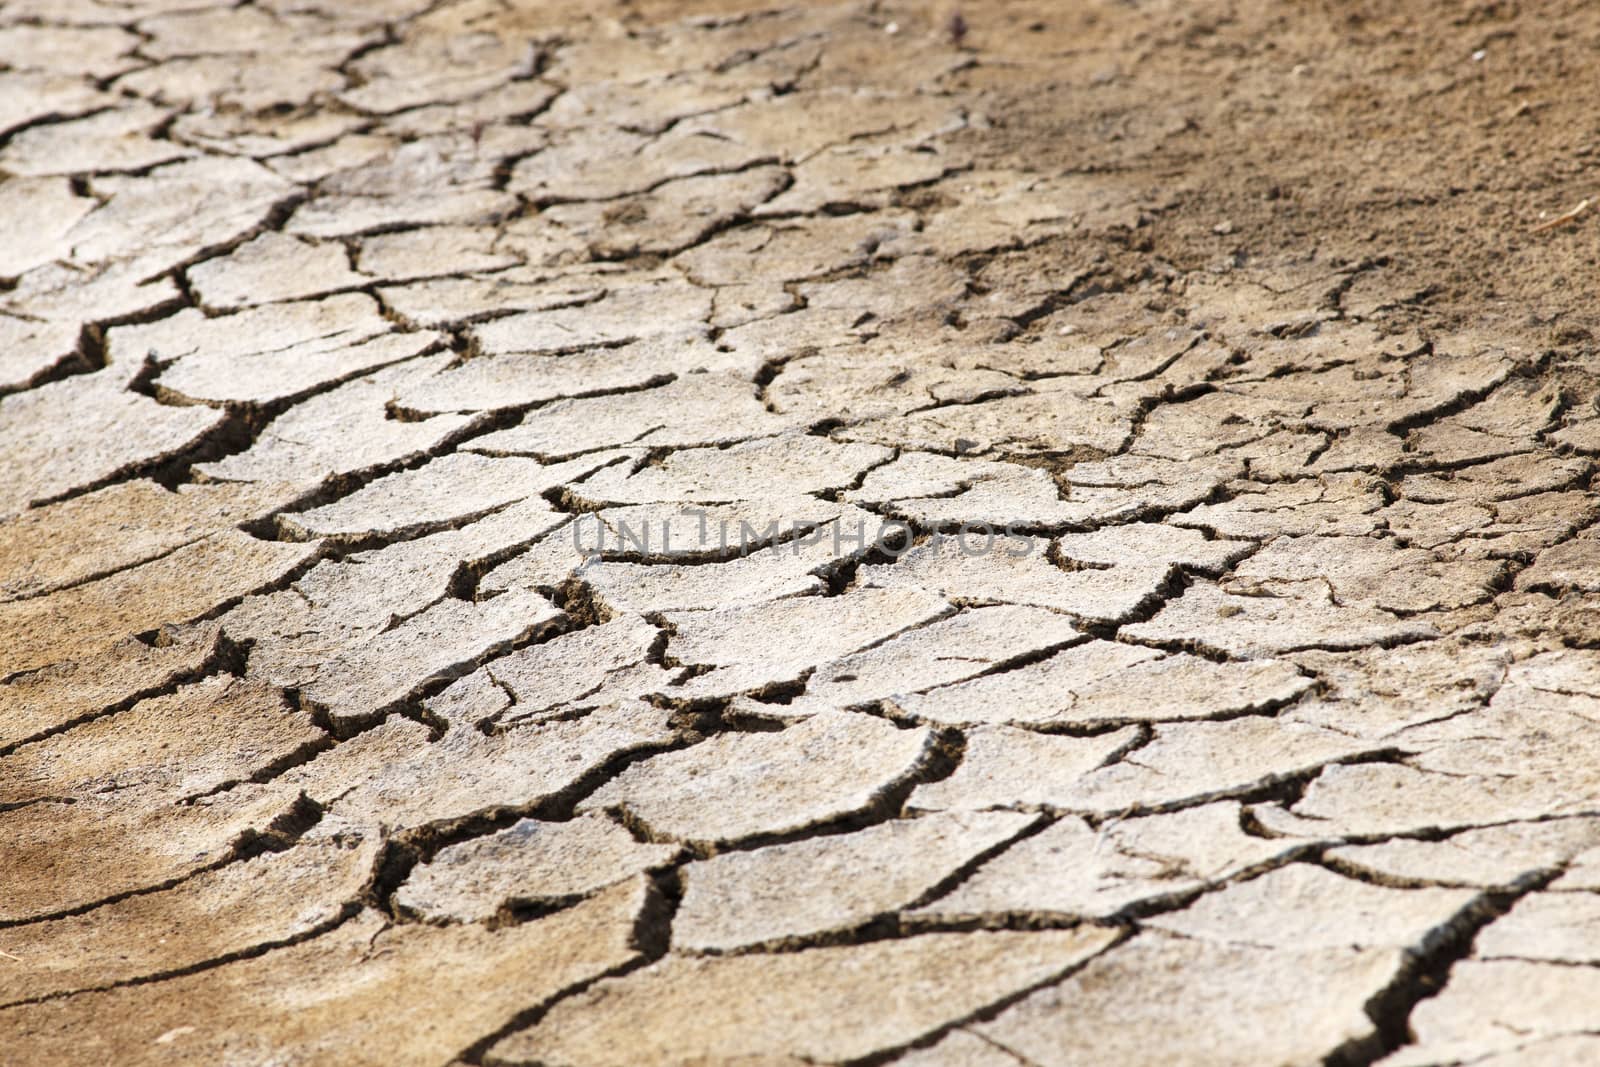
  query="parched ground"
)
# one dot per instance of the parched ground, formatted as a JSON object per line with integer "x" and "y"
{"x": 610, "y": 534}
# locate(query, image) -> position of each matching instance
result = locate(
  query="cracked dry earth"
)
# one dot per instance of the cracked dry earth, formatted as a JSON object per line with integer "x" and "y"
{"x": 1270, "y": 735}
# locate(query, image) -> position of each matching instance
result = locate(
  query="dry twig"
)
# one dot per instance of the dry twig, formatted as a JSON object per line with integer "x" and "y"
{"x": 1564, "y": 217}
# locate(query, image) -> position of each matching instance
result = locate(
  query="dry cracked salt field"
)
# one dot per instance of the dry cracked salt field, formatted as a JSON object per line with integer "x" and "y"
{"x": 614, "y": 534}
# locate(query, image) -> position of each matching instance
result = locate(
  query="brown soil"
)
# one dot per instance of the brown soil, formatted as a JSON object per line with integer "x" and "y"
{"x": 1427, "y": 139}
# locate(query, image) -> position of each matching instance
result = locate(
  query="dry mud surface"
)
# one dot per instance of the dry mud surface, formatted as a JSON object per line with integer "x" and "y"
{"x": 330, "y": 332}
